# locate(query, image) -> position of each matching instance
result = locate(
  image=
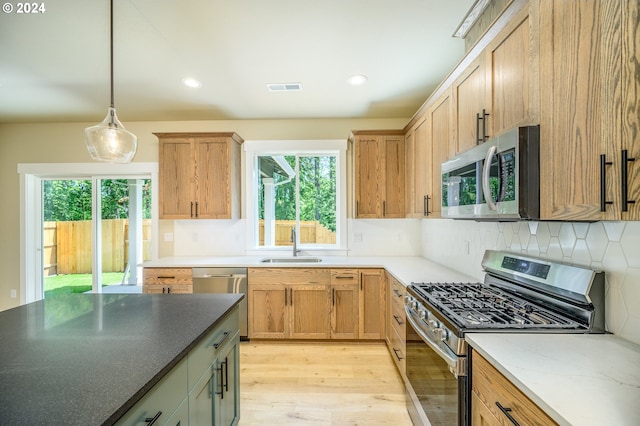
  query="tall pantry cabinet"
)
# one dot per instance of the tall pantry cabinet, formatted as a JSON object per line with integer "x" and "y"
{"x": 199, "y": 175}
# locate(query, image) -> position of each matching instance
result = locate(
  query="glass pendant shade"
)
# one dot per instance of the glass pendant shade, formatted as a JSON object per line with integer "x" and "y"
{"x": 110, "y": 141}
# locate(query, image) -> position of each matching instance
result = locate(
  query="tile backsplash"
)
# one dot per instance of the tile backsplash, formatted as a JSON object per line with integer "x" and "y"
{"x": 613, "y": 247}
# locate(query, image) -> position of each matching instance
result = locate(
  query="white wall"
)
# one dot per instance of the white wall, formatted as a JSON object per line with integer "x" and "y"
{"x": 613, "y": 247}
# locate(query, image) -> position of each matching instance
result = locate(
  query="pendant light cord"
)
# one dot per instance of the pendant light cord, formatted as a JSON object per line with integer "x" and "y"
{"x": 111, "y": 51}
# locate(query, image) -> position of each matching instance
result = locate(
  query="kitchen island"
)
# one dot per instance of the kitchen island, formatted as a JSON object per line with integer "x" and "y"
{"x": 87, "y": 359}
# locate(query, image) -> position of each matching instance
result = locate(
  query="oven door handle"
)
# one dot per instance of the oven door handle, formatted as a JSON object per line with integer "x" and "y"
{"x": 486, "y": 186}
{"x": 452, "y": 361}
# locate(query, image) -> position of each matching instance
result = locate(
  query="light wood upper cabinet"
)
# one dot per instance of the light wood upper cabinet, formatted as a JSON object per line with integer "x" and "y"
{"x": 470, "y": 98}
{"x": 512, "y": 65}
{"x": 379, "y": 174}
{"x": 499, "y": 89}
{"x": 199, "y": 175}
{"x": 442, "y": 143}
{"x": 589, "y": 115}
{"x": 419, "y": 176}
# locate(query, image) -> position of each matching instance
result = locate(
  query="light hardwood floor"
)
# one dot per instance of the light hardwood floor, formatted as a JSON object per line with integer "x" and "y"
{"x": 320, "y": 384}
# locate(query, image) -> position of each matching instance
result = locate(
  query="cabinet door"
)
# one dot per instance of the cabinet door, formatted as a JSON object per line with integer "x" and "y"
{"x": 630, "y": 77}
{"x": 574, "y": 124}
{"x": 229, "y": 396}
{"x": 442, "y": 132}
{"x": 344, "y": 310}
{"x": 202, "y": 398}
{"x": 469, "y": 93}
{"x": 512, "y": 64}
{"x": 176, "y": 189}
{"x": 480, "y": 414}
{"x": 409, "y": 175}
{"x": 267, "y": 311}
{"x": 213, "y": 178}
{"x": 423, "y": 197}
{"x": 309, "y": 309}
{"x": 393, "y": 183}
{"x": 372, "y": 304}
{"x": 369, "y": 176}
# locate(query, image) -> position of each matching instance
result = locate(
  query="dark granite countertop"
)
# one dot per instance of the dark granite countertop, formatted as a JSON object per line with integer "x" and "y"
{"x": 86, "y": 359}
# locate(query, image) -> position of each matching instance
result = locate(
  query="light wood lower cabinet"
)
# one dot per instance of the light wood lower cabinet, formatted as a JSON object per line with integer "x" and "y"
{"x": 288, "y": 303}
{"x": 396, "y": 323}
{"x": 372, "y": 304}
{"x": 316, "y": 303}
{"x": 345, "y": 302}
{"x": 497, "y": 401}
{"x": 167, "y": 280}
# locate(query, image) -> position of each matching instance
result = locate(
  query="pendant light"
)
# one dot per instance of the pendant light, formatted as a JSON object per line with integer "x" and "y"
{"x": 110, "y": 141}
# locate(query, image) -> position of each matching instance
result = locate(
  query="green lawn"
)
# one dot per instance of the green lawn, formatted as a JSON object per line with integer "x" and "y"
{"x": 76, "y": 283}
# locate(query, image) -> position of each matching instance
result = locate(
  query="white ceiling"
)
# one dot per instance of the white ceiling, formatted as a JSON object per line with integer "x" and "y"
{"x": 54, "y": 66}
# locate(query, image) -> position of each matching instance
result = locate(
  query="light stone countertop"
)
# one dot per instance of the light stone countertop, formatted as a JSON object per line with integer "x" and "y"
{"x": 577, "y": 379}
{"x": 406, "y": 269}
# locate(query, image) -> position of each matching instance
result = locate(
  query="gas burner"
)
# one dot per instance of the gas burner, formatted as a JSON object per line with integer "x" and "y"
{"x": 473, "y": 317}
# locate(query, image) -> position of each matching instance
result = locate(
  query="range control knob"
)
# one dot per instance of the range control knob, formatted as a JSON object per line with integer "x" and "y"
{"x": 441, "y": 334}
{"x": 422, "y": 314}
{"x": 433, "y": 324}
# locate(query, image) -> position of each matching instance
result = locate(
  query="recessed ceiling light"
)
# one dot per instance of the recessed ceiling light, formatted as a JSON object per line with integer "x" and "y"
{"x": 191, "y": 82}
{"x": 357, "y": 80}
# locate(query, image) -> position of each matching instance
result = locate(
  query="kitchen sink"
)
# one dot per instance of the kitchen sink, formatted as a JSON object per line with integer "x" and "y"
{"x": 291, "y": 260}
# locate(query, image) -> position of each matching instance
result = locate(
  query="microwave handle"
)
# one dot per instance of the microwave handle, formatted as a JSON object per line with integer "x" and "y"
{"x": 486, "y": 188}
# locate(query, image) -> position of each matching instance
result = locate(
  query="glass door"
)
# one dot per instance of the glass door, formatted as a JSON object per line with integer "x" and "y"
{"x": 84, "y": 251}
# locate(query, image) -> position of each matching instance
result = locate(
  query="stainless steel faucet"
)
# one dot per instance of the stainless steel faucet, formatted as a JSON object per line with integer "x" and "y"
{"x": 294, "y": 240}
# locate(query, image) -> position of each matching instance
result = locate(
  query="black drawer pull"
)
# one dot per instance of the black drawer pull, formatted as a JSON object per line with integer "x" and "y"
{"x": 507, "y": 412}
{"x": 397, "y": 318}
{"x": 152, "y": 420}
{"x": 395, "y": 352}
{"x": 224, "y": 336}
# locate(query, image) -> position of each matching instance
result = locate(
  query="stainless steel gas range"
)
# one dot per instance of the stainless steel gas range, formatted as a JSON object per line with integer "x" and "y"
{"x": 519, "y": 294}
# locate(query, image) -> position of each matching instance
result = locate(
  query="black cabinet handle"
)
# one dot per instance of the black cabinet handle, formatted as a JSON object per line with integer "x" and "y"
{"x": 397, "y": 318}
{"x": 384, "y": 209}
{"x": 603, "y": 182}
{"x": 395, "y": 352}
{"x": 507, "y": 412}
{"x": 152, "y": 420}
{"x": 291, "y": 296}
{"x": 224, "y": 336}
{"x": 226, "y": 374}
{"x": 478, "y": 138}
{"x": 485, "y": 114}
{"x": 426, "y": 205}
{"x": 196, "y": 209}
{"x": 191, "y": 210}
{"x": 397, "y": 293}
{"x": 221, "y": 393}
{"x": 624, "y": 172}
{"x": 333, "y": 297}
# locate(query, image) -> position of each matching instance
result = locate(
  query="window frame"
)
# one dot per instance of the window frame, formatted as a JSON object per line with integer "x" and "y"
{"x": 256, "y": 148}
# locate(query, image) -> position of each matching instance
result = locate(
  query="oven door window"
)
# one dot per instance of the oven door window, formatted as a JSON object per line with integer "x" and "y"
{"x": 434, "y": 385}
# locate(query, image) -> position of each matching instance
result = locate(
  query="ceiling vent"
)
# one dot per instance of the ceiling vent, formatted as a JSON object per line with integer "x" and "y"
{"x": 284, "y": 87}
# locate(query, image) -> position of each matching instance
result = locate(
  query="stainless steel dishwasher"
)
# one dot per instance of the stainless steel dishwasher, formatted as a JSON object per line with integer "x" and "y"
{"x": 224, "y": 280}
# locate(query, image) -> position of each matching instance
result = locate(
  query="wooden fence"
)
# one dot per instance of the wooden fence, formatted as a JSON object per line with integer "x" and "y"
{"x": 311, "y": 232}
{"x": 67, "y": 246}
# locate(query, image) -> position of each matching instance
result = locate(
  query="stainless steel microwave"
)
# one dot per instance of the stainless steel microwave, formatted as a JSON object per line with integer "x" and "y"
{"x": 497, "y": 180}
